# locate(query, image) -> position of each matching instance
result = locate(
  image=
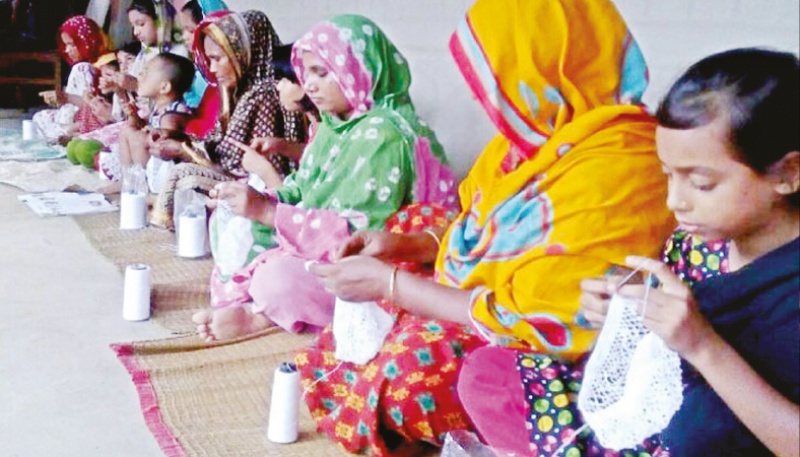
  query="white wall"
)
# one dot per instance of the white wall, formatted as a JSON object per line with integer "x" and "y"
{"x": 672, "y": 34}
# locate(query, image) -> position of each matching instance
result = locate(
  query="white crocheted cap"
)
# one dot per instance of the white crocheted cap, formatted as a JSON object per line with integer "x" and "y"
{"x": 632, "y": 383}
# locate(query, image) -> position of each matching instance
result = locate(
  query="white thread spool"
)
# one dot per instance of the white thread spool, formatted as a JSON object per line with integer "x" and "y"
{"x": 132, "y": 211}
{"x": 283, "y": 410}
{"x": 28, "y": 130}
{"x": 192, "y": 236}
{"x": 136, "y": 294}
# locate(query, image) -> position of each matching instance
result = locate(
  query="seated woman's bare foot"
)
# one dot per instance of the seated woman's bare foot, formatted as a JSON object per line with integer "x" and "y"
{"x": 228, "y": 323}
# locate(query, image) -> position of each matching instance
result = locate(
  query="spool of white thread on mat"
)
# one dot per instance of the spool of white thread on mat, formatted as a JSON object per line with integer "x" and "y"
{"x": 192, "y": 236}
{"x": 132, "y": 211}
{"x": 28, "y": 130}
{"x": 136, "y": 294}
{"x": 283, "y": 410}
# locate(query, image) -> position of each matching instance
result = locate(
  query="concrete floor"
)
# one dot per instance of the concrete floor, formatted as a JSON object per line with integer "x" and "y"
{"x": 62, "y": 390}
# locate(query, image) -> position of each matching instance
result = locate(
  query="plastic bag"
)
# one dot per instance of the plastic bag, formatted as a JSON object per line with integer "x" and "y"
{"x": 134, "y": 180}
{"x": 158, "y": 172}
{"x": 186, "y": 198}
{"x": 462, "y": 443}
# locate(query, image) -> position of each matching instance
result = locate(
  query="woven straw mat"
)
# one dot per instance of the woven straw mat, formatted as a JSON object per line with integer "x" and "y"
{"x": 212, "y": 400}
{"x": 179, "y": 286}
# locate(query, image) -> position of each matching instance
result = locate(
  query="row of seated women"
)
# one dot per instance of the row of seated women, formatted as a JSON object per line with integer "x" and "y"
{"x": 574, "y": 185}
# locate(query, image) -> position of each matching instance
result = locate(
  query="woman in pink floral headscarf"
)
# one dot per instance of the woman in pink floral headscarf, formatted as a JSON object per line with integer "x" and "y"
{"x": 370, "y": 156}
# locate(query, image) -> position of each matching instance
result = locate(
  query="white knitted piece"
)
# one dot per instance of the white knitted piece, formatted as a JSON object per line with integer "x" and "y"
{"x": 632, "y": 383}
{"x": 231, "y": 239}
{"x": 359, "y": 330}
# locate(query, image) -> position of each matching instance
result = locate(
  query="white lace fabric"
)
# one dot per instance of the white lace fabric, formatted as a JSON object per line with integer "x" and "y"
{"x": 632, "y": 382}
{"x": 359, "y": 330}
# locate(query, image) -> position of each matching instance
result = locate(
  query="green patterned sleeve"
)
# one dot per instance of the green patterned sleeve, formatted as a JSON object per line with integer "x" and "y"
{"x": 290, "y": 192}
{"x": 377, "y": 179}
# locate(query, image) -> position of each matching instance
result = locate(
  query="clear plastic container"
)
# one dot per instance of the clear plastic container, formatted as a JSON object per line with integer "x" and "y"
{"x": 463, "y": 443}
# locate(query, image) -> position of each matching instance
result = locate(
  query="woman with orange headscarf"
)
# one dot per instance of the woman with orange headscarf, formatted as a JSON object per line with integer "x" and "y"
{"x": 569, "y": 187}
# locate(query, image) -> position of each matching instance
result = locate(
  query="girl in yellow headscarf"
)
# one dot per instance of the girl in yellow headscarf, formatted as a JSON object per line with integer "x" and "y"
{"x": 569, "y": 187}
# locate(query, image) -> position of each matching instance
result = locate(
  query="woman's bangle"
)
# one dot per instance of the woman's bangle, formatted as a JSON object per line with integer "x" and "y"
{"x": 435, "y": 237}
{"x": 392, "y": 283}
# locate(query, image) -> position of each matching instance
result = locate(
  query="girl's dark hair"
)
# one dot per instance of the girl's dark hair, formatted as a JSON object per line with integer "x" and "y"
{"x": 132, "y": 48}
{"x": 146, "y": 7}
{"x": 756, "y": 91}
{"x": 282, "y": 64}
{"x": 178, "y": 70}
{"x": 194, "y": 8}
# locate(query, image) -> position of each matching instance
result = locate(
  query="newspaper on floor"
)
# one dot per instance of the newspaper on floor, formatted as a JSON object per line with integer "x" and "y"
{"x": 67, "y": 203}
